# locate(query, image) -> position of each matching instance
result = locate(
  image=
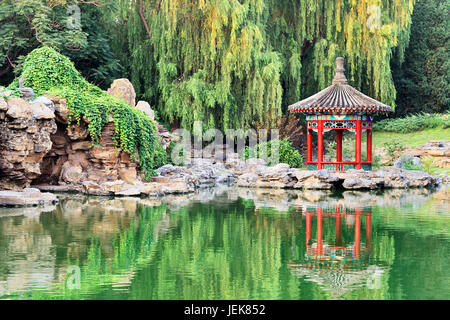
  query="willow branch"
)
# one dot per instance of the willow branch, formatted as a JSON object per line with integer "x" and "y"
{"x": 141, "y": 13}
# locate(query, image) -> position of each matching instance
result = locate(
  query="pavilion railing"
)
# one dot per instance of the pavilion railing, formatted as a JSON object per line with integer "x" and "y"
{"x": 340, "y": 166}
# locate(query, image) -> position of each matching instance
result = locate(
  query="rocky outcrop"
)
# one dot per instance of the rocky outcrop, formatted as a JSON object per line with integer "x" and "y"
{"x": 123, "y": 89}
{"x": 26, "y": 197}
{"x": 144, "y": 106}
{"x": 281, "y": 176}
{"x": 439, "y": 150}
{"x": 25, "y": 138}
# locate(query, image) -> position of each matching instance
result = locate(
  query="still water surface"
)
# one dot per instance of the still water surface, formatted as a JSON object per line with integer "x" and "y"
{"x": 229, "y": 243}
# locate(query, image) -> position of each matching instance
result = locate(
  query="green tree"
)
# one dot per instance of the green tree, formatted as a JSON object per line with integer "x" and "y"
{"x": 29, "y": 24}
{"x": 232, "y": 63}
{"x": 423, "y": 80}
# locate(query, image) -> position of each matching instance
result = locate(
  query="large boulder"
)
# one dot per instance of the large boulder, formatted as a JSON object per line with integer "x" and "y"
{"x": 25, "y": 138}
{"x": 123, "y": 89}
{"x": 145, "y": 107}
{"x": 27, "y": 197}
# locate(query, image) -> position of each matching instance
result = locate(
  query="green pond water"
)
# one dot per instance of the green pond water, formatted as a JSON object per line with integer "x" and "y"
{"x": 230, "y": 243}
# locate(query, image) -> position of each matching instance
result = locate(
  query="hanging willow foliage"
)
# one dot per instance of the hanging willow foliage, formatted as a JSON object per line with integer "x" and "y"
{"x": 232, "y": 63}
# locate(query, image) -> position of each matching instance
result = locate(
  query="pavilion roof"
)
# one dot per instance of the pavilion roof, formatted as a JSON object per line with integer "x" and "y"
{"x": 339, "y": 98}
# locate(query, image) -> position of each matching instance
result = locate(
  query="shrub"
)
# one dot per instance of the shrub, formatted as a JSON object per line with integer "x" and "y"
{"x": 287, "y": 153}
{"x": 413, "y": 123}
{"x": 46, "y": 70}
{"x": 392, "y": 148}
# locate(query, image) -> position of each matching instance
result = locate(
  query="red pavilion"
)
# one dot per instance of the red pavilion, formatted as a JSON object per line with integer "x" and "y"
{"x": 339, "y": 107}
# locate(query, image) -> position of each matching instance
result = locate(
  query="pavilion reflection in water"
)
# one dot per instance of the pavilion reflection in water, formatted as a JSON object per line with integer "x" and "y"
{"x": 341, "y": 266}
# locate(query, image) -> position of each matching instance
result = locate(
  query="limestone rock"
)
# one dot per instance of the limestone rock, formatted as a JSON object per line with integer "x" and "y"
{"x": 129, "y": 192}
{"x": 77, "y": 132}
{"x": 44, "y": 101}
{"x": 24, "y": 141}
{"x": 18, "y": 108}
{"x": 93, "y": 188}
{"x": 71, "y": 173}
{"x": 359, "y": 183}
{"x": 41, "y": 111}
{"x": 128, "y": 174}
{"x": 123, "y": 89}
{"x": 113, "y": 186}
{"x": 28, "y": 197}
{"x": 145, "y": 107}
{"x": 3, "y": 105}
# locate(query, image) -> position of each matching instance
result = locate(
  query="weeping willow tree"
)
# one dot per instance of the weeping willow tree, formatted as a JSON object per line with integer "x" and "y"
{"x": 232, "y": 63}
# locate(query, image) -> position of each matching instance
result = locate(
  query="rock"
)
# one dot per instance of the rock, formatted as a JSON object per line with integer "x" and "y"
{"x": 129, "y": 192}
{"x": 41, "y": 111}
{"x": 444, "y": 178}
{"x": 44, "y": 101}
{"x": 359, "y": 183}
{"x": 60, "y": 108}
{"x": 123, "y": 89}
{"x": 18, "y": 108}
{"x": 113, "y": 186}
{"x": 77, "y": 132}
{"x": 71, "y": 173}
{"x": 81, "y": 145}
{"x": 3, "y": 105}
{"x": 128, "y": 175}
{"x": 28, "y": 197}
{"x": 406, "y": 161}
{"x": 145, "y": 107}
{"x": 24, "y": 141}
{"x": 93, "y": 188}
{"x": 439, "y": 150}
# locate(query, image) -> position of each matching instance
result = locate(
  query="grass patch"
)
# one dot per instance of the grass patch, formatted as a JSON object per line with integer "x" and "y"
{"x": 411, "y": 139}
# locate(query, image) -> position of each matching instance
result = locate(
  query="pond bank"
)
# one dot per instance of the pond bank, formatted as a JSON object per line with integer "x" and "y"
{"x": 253, "y": 173}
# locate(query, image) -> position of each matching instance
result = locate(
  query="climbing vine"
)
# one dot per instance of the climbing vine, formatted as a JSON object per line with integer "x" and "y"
{"x": 46, "y": 70}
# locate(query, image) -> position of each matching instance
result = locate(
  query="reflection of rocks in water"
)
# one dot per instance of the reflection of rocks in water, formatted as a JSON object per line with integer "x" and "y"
{"x": 282, "y": 199}
{"x": 30, "y": 235}
{"x": 338, "y": 282}
{"x": 27, "y": 253}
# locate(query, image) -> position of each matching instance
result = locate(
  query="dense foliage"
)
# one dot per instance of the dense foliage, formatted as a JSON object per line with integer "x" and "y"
{"x": 287, "y": 153}
{"x": 46, "y": 70}
{"x": 423, "y": 80}
{"x": 413, "y": 123}
{"x": 74, "y": 27}
{"x": 232, "y": 63}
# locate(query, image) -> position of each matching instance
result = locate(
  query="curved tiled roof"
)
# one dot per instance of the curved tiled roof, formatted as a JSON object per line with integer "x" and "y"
{"x": 339, "y": 98}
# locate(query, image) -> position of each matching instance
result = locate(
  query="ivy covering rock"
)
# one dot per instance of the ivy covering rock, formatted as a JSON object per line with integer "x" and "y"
{"x": 47, "y": 71}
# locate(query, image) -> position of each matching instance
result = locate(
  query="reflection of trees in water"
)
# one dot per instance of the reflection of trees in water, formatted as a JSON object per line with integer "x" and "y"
{"x": 236, "y": 246}
{"x": 37, "y": 249}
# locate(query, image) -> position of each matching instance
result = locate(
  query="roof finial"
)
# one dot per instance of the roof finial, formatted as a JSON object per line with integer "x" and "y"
{"x": 339, "y": 78}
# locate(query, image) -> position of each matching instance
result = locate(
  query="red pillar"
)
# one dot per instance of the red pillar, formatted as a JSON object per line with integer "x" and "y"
{"x": 358, "y": 144}
{"x": 320, "y": 145}
{"x": 339, "y": 145}
{"x": 368, "y": 230}
{"x": 369, "y": 145}
{"x": 338, "y": 229}
{"x": 309, "y": 146}
{"x": 319, "y": 232}
{"x": 357, "y": 231}
{"x": 308, "y": 228}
